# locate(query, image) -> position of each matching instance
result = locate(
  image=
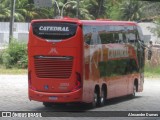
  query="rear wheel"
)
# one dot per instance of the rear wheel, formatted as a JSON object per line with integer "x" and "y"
{"x": 103, "y": 97}
{"x": 134, "y": 91}
{"x": 96, "y": 100}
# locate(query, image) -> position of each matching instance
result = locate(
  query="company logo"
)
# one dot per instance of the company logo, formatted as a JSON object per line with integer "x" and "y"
{"x": 6, "y": 114}
{"x": 53, "y": 51}
{"x": 53, "y": 28}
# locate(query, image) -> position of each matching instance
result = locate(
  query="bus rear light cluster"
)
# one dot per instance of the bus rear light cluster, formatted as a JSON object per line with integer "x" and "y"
{"x": 30, "y": 81}
{"x": 78, "y": 83}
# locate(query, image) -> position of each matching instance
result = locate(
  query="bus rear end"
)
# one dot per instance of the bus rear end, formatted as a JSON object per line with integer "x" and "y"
{"x": 55, "y": 61}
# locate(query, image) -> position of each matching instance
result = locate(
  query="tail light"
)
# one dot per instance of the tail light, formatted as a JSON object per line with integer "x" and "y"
{"x": 78, "y": 83}
{"x": 30, "y": 81}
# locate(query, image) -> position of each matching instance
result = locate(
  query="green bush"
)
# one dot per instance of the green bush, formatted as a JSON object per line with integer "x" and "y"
{"x": 1, "y": 57}
{"x": 15, "y": 55}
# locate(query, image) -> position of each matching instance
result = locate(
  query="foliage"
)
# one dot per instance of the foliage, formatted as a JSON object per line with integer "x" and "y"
{"x": 24, "y": 11}
{"x": 113, "y": 10}
{"x": 152, "y": 71}
{"x": 151, "y": 9}
{"x": 15, "y": 55}
{"x": 132, "y": 10}
{"x": 4, "y": 10}
{"x": 88, "y": 9}
{"x": 152, "y": 67}
{"x": 1, "y": 61}
{"x": 156, "y": 30}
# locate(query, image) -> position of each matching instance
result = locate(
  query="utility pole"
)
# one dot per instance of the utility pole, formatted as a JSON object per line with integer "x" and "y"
{"x": 12, "y": 19}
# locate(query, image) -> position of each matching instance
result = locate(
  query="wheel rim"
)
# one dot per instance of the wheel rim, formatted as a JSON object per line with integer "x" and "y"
{"x": 103, "y": 98}
{"x": 95, "y": 99}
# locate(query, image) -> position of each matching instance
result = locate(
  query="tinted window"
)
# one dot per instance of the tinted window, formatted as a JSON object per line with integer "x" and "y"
{"x": 109, "y": 34}
{"x": 92, "y": 34}
{"x": 140, "y": 33}
{"x": 117, "y": 67}
{"x": 131, "y": 34}
{"x": 103, "y": 37}
{"x": 54, "y": 30}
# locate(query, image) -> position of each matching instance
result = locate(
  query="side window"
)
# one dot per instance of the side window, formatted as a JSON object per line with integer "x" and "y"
{"x": 131, "y": 35}
{"x": 116, "y": 37}
{"x": 110, "y": 37}
{"x": 140, "y": 33}
{"x": 87, "y": 38}
{"x": 132, "y": 66}
{"x": 95, "y": 38}
{"x": 87, "y": 34}
{"x": 110, "y": 34}
{"x": 120, "y": 34}
{"x": 118, "y": 67}
{"x": 103, "y": 37}
{"x": 124, "y": 37}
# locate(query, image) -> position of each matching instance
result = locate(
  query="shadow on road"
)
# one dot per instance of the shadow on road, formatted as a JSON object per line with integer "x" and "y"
{"x": 121, "y": 99}
{"x": 81, "y": 106}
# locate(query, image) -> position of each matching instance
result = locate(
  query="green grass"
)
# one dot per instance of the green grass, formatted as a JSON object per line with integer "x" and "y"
{"x": 12, "y": 71}
{"x": 152, "y": 72}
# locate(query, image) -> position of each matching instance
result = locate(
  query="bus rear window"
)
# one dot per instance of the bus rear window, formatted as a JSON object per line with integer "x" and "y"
{"x": 54, "y": 30}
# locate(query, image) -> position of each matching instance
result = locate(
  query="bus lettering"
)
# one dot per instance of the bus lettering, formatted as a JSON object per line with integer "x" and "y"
{"x": 116, "y": 53}
{"x": 51, "y": 28}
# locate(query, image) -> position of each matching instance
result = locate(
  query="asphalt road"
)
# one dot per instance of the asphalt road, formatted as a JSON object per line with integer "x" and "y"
{"x": 14, "y": 97}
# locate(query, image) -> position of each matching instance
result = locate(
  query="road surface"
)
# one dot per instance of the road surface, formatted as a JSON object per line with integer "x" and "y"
{"x": 14, "y": 97}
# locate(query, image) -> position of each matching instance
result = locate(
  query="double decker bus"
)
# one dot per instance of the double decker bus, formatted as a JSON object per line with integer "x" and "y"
{"x": 88, "y": 61}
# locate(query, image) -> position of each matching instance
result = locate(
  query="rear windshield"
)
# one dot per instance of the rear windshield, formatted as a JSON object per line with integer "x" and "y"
{"x": 54, "y": 30}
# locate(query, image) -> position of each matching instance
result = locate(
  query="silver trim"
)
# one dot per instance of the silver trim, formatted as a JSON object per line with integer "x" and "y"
{"x": 53, "y": 40}
{"x": 50, "y": 57}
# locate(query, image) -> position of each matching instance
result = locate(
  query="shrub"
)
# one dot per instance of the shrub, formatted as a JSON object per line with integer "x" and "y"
{"x": 15, "y": 55}
{"x": 1, "y": 57}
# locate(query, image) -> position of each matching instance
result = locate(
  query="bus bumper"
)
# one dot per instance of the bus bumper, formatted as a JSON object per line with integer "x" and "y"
{"x": 75, "y": 96}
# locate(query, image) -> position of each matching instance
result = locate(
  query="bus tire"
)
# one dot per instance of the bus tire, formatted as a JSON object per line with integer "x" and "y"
{"x": 103, "y": 97}
{"x": 96, "y": 99}
{"x": 134, "y": 91}
{"x": 47, "y": 104}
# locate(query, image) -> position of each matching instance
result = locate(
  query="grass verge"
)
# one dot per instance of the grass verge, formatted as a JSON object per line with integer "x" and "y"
{"x": 152, "y": 72}
{"x": 12, "y": 71}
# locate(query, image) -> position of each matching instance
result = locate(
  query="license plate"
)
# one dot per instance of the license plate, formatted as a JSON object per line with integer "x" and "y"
{"x": 53, "y": 98}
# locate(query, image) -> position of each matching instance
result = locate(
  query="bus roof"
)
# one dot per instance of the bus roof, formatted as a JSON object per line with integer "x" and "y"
{"x": 89, "y": 22}
{"x": 107, "y": 22}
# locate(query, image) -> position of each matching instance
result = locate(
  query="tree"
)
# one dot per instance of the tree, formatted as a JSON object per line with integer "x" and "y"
{"x": 151, "y": 9}
{"x": 114, "y": 9}
{"x": 71, "y": 9}
{"x": 4, "y": 10}
{"x": 26, "y": 11}
{"x": 132, "y": 10}
{"x": 97, "y": 8}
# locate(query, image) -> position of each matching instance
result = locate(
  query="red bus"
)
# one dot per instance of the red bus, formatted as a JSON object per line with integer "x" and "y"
{"x": 88, "y": 61}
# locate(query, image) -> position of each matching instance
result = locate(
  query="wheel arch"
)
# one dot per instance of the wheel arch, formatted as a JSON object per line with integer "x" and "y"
{"x": 104, "y": 87}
